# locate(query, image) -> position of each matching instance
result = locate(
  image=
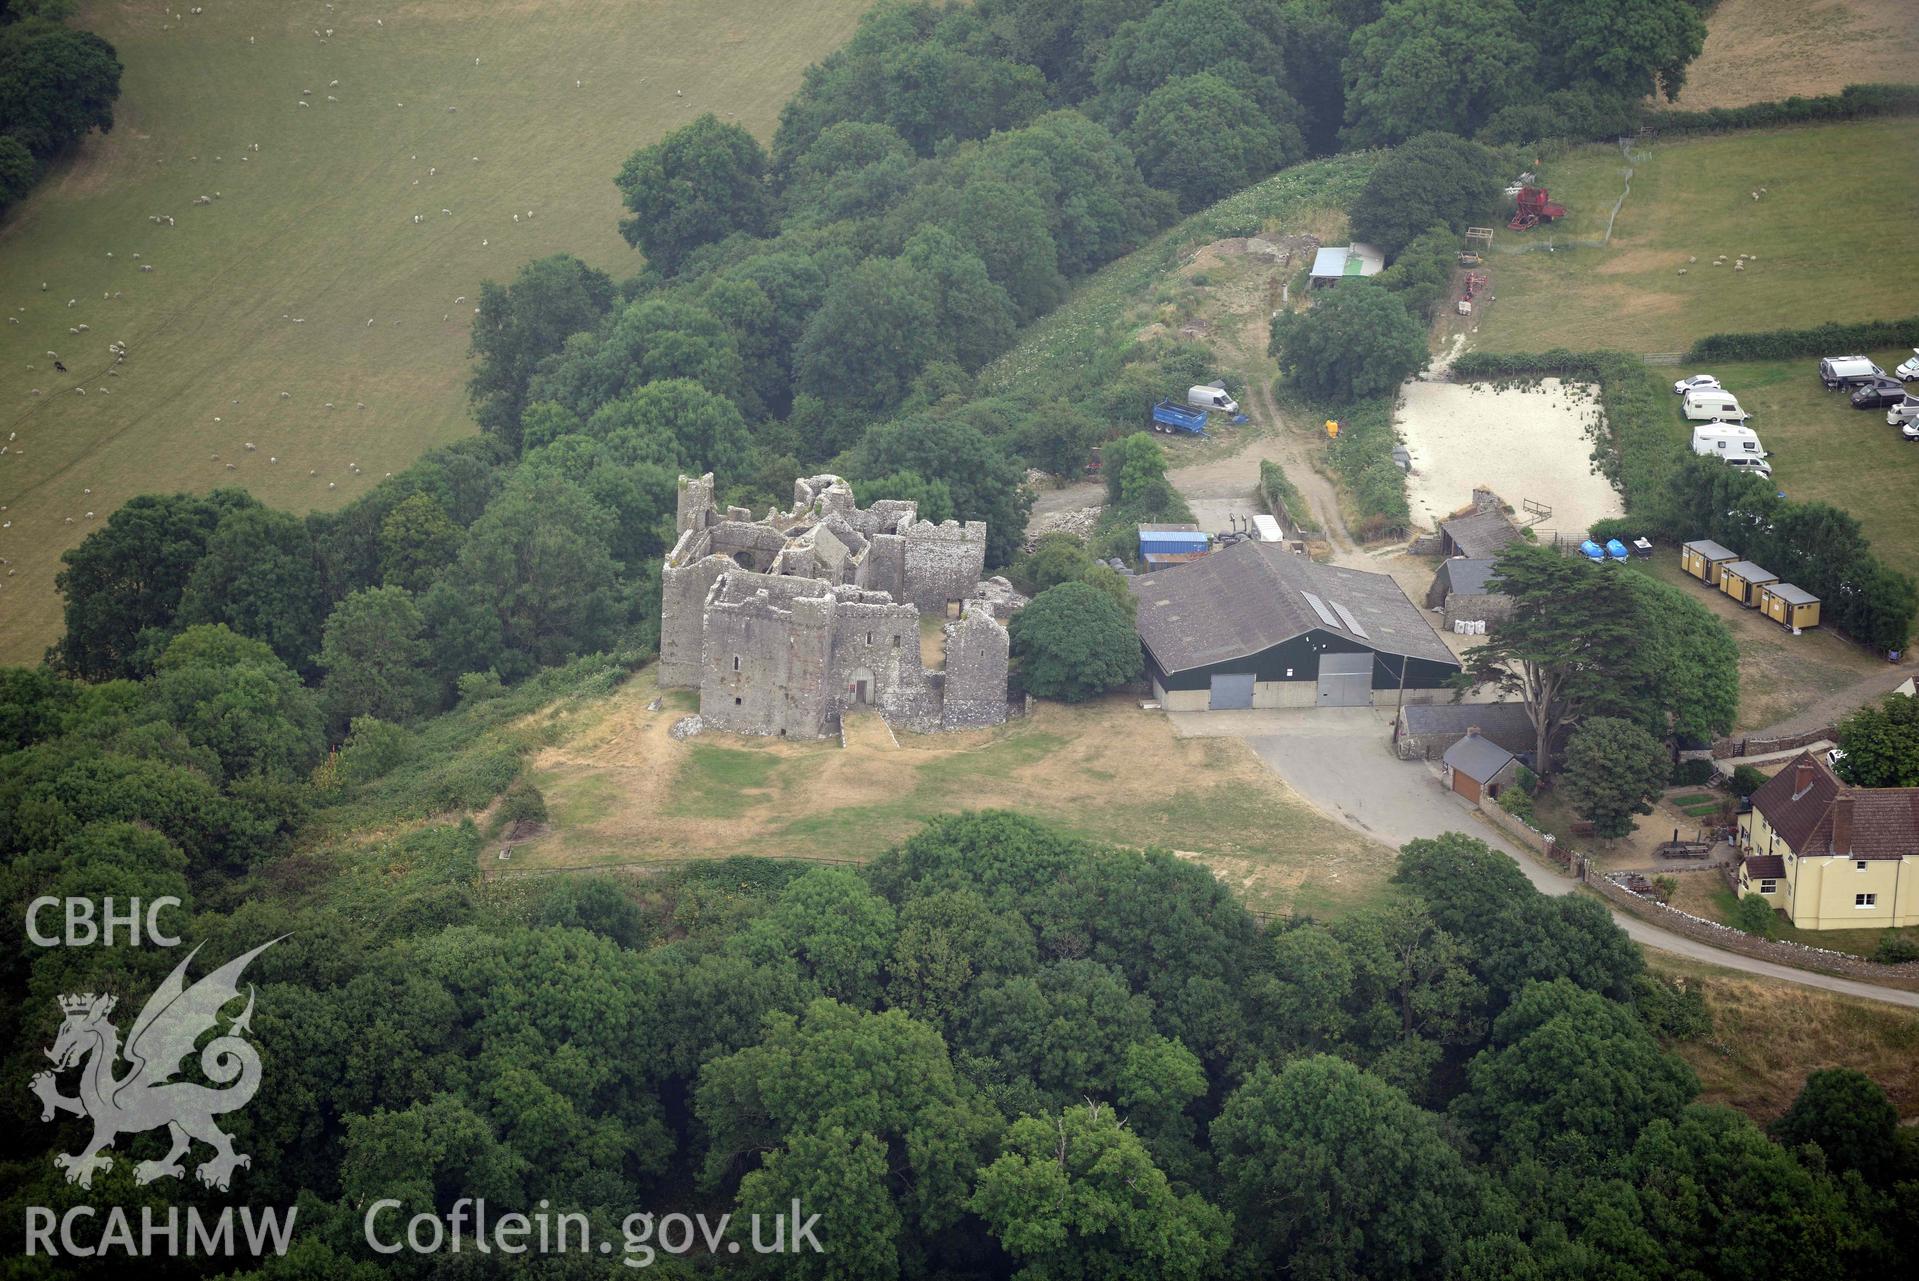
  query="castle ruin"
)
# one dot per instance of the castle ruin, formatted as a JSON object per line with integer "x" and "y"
{"x": 784, "y": 623}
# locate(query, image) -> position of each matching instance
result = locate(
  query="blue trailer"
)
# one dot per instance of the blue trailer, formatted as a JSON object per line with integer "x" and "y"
{"x": 1177, "y": 419}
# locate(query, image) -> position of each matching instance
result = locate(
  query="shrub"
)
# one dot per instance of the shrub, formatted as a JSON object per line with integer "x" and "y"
{"x": 1754, "y": 915}
{"x": 1664, "y": 887}
{"x": 1356, "y": 343}
{"x": 1895, "y": 949}
{"x": 1528, "y": 781}
{"x": 1746, "y": 780}
{"x": 1075, "y": 641}
{"x": 521, "y": 803}
{"x": 1517, "y": 803}
{"x": 1283, "y": 497}
{"x": 372, "y": 748}
{"x": 1671, "y": 1008}
{"x": 1693, "y": 773}
{"x": 1624, "y": 528}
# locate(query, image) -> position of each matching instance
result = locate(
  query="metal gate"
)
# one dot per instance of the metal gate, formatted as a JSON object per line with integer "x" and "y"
{"x": 1346, "y": 680}
{"x": 1231, "y": 689}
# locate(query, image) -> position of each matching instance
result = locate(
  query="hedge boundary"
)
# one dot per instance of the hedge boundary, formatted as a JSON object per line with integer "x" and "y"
{"x": 1283, "y": 498}
{"x": 1829, "y": 339}
{"x": 1854, "y": 102}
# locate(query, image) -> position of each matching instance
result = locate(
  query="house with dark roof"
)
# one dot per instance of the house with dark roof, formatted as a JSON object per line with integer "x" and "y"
{"x": 1836, "y": 857}
{"x": 1256, "y": 625}
{"x": 1460, "y": 591}
{"x": 1423, "y": 731}
{"x": 1478, "y": 768}
{"x": 1478, "y": 535}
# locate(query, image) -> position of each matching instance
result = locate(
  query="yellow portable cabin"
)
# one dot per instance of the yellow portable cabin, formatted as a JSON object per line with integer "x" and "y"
{"x": 1741, "y": 580}
{"x": 1789, "y": 606}
{"x": 1703, "y": 559}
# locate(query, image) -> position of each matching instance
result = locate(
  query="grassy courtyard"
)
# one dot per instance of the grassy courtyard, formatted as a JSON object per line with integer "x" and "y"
{"x": 621, "y": 791}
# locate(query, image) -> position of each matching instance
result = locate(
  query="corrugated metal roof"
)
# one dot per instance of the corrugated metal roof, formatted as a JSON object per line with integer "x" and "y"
{"x": 1480, "y": 534}
{"x": 1711, "y": 550}
{"x": 1750, "y": 572}
{"x": 1468, "y": 575}
{"x": 1247, "y": 598}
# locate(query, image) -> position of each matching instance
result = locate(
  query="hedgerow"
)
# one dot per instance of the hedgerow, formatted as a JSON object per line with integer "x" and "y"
{"x": 1829, "y": 339}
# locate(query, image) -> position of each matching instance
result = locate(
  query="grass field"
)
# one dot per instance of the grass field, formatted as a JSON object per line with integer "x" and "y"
{"x": 1828, "y": 235}
{"x": 1760, "y": 50}
{"x": 317, "y": 225}
{"x": 1746, "y": 1063}
{"x": 621, "y": 791}
{"x": 1822, "y": 448}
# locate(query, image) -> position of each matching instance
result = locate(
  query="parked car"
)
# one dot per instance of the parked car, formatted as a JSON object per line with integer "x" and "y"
{"x": 1847, "y": 371}
{"x": 1910, "y": 370}
{"x": 1685, "y": 385}
{"x": 1747, "y": 462}
{"x": 1878, "y": 393}
{"x": 1909, "y": 430}
{"x": 1906, "y": 411}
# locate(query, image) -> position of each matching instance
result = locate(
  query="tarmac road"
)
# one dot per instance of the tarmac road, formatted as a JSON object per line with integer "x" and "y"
{"x": 1338, "y": 759}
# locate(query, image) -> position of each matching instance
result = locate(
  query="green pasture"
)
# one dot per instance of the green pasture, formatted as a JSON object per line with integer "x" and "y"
{"x": 482, "y": 110}
{"x": 1829, "y": 233}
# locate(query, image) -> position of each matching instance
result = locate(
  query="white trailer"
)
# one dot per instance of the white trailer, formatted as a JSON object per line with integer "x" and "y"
{"x": 1726, "y": 440}
{"x": 1713, "y": 404}
{"x": 1266, "y": 529}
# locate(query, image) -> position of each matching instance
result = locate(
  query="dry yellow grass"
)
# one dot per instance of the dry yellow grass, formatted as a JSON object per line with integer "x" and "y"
{"x": 1759, "y": 50}
{"x": 1767, "y": 1036}
{"x": 621, "y": 790}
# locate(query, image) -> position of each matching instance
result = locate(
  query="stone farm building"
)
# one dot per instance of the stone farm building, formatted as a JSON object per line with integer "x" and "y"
{"x": 1256, "y": 625}
{"x": 784, "y": 623}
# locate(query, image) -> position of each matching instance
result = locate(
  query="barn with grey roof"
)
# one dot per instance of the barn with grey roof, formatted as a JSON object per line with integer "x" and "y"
{"x": 1255, "y": 625}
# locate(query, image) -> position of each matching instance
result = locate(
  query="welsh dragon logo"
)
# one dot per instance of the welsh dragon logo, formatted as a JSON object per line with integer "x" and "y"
{"x": 146, "y": 1097}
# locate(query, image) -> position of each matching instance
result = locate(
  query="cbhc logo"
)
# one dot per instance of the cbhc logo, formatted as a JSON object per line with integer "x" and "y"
{"x": 87, "y": 925}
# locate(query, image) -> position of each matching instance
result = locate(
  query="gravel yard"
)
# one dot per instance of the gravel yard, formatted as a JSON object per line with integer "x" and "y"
{"x": 1523, "y": 443}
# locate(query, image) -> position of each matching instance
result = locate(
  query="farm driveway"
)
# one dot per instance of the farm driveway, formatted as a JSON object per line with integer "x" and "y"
{"x": 1339, "y": 760}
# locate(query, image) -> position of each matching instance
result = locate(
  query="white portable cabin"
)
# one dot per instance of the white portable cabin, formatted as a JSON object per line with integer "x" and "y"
{"x": 1267, "y": 529}
{"x": 1713, "y": 404}
{"x": 1726, "y": 440}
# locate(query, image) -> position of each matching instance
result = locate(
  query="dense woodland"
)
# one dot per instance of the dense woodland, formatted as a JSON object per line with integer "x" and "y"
{"x": 996, "y": 1049}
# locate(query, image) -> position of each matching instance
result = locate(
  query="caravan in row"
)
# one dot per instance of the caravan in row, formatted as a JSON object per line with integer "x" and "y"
{"x": 1712, "y": 404}
{"x": 1738, "y": 446}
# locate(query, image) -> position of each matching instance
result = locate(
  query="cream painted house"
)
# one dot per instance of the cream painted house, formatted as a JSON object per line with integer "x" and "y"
{"x": 1830, "y": 856}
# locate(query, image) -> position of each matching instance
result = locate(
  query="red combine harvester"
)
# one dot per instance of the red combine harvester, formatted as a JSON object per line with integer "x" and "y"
{"x": 1532, "y": 207}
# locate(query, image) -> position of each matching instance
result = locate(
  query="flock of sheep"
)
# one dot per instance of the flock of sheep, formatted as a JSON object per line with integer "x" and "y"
{"x": 117, "y": 350}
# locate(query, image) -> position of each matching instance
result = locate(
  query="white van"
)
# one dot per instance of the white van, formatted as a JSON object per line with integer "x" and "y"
{"x": 1214, "y": 398}
{"x": 1726, "y": 440}
{"x": 1713, "y": 404}
{"x": 1746, "y": 462}
{"x": 1843, "y": 371}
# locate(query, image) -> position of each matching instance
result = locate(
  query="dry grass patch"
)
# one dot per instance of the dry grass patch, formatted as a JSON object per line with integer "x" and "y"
{"x": 1760, "y": 50}
{"x": 621, "y": 791}
{"x": 1768, "y": 1036}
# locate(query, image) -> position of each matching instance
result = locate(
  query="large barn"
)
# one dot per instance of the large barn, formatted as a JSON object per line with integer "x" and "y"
{"x": 1255, "y": 625}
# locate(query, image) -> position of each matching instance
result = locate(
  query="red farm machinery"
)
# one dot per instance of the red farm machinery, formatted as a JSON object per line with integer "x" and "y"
{"x": 1532, "y": 206}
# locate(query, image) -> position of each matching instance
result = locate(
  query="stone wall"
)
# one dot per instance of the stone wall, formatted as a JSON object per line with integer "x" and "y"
{"x": 977, "y": 649}
{"x": 1489, "y": 607}
{"x": 1725, "y": 747}
{"x": 942, "y": 562}
{"x": 1778, "y": 951}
